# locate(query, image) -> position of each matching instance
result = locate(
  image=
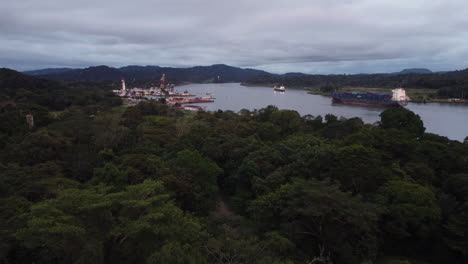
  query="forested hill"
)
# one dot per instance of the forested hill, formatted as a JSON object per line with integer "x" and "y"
{"x": 18, "y": 88}
{"x": 411, "y": 80}
{"x": 12, "y": 82}
{"x": 21, "y": 95}
{"x": 196, "y": 74}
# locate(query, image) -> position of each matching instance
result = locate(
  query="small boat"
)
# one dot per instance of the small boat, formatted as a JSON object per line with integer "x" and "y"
{"x": 280, "y": 89}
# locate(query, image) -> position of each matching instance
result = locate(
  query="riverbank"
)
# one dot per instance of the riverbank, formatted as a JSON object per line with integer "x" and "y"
{"x": 416, "y": 95}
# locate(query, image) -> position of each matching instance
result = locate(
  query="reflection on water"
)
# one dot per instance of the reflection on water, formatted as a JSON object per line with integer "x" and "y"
{"x": 450, "y": 120}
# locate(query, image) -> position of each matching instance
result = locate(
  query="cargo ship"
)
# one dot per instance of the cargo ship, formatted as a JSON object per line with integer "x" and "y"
{"x": 398, "y": 98}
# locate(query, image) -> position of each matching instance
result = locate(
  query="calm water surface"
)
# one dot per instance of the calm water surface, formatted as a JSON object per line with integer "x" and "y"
{"x": 450, "y": 120}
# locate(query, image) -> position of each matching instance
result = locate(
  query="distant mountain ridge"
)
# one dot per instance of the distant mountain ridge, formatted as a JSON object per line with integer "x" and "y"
{"x": 226, "y": 73}
{"x": 198, "y": 74}
{"x": 47, "y": 71}
{"x": 420, "y": 77}
{"x": 414, "y": 70}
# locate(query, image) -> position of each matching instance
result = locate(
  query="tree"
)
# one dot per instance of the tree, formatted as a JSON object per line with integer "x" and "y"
{"x": 268, "y": 131}
{"x": 289, "y": 121}
{"x": 231, "y": 245}
{"x": 108, "y": 132}
{"x": 335, "y": 129}
{"x": 438, "y": 156}
{"x": 455, "y": 227}
{"x": 420, "y": 172}
{"x": 12, "y": 120}
{"x": 321, "y": 220}
{"x": 456, "y": 230}
{"x": 132, "y": 117}
{"x": 143, "y": 166}
{"x": 194, "y": 181}
{"x": 313, "y": 123}
{"x": 412, "y": 211}
{"x": 400, "y": 145}
{"x": 329, "y": 118}
{"x": 265, "y": 114}
{"x": 359, "y": 169}
{"x": 12, "y": 218}
{"x": 457, "y": 186}
{"x": 40, "y": 146}
{"x": 110, "y": 175}
{"x": 35, "y": 183}
{"x": 249, "y": 175}
{"x": 403, "y": 119}
{"x": 93, "y": 225}
{"x": 329, "y": 88}
{"x": 157, "y": 131}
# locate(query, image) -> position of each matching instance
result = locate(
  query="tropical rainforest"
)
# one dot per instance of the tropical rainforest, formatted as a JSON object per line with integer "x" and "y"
{"x": 92, "y": 181}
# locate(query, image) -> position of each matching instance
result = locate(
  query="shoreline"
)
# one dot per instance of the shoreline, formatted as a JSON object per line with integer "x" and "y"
{"x": 418, "y": 96}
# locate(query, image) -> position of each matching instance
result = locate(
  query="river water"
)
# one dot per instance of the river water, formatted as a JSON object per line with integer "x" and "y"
{"x": 450, "y": 120}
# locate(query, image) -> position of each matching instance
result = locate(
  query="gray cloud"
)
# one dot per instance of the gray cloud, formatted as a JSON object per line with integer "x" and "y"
{"x": 334, "y": 36}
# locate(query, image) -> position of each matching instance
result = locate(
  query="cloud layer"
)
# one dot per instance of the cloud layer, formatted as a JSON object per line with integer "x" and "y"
{"x": 333, "y": 36}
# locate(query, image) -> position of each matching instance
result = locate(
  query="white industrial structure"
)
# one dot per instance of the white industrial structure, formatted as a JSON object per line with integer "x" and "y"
{"x": 123, "y": 84}
{"x": 399, "y": 95}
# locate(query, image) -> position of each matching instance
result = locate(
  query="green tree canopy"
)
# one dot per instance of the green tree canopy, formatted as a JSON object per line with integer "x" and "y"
{"x": 411, "y": 210}
{"x": 403, "y": 119}
{"x": 195, "y": 180}
{"x": 321, "y": 220}
{"x": 95, "y": 226}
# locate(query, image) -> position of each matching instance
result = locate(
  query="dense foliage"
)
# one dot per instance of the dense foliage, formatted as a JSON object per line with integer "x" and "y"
{"x": 151, "y": 184}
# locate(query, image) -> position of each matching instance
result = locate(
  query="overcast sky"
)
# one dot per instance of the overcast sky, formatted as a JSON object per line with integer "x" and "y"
{"x": 311, "y": 36}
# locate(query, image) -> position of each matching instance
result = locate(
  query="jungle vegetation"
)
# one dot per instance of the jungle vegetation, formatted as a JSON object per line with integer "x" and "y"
{"x": 94, "y": 182}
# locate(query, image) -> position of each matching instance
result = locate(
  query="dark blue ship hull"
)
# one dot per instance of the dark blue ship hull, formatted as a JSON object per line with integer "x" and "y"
{"x": 365, "y": 98}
